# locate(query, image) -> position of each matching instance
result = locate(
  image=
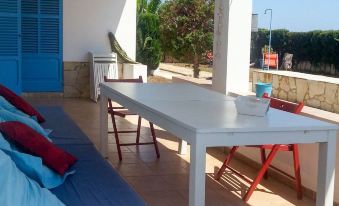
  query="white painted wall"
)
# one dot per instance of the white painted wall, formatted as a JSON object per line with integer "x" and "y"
{"x": 232, "y": 37}
{"x": 86, "y": 24}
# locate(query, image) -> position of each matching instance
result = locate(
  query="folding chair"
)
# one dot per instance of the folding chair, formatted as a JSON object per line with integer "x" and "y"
{"x": 266, "y": 160}
{"x": 123, "y": 112}
{"x": 271, "y": 61}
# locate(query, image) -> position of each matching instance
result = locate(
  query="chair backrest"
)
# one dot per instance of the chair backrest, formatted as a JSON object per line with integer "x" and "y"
{"x": 271, "y": 59}
{"x": 110, "y": 104}
{"x": 139, "y": 80}
{"x": 101, "y": 65}
{"x": 284, "y": 105}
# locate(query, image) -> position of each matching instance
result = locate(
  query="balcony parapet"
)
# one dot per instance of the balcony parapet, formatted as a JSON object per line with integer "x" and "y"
{"x": 314, "y": 90}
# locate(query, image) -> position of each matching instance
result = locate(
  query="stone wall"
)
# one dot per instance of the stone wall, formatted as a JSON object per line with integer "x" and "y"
{"x": 315, "y": 91}
{"x": 76, "y": 79}
{"x": 307, "y": 67}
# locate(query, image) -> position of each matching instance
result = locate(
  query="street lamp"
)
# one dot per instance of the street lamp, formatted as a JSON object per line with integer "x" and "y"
{"x": 270, "y": 39}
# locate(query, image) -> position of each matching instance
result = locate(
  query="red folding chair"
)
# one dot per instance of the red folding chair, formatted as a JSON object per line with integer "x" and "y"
{"x": 271, "y": 60}
{"x": 123, "y": 112}
{"x": 266, "y": 160}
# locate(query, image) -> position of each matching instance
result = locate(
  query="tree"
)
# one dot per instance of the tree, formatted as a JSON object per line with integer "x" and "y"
{"x": 148, "y": 43}
{"x": 186, "y": 29}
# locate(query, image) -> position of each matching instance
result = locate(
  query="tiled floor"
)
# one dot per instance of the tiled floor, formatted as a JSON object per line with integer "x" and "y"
{"x": 164, "y": 181}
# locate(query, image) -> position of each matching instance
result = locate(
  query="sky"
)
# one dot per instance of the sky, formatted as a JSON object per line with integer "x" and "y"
{"x": 299, "y": 15}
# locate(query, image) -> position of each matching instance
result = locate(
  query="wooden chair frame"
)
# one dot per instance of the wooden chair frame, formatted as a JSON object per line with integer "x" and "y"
{"x": 123, "y": 112}
{"x": 267, "y": 160}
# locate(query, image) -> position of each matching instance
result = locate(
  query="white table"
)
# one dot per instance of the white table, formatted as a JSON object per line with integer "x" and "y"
{"x": 205, "y": 118}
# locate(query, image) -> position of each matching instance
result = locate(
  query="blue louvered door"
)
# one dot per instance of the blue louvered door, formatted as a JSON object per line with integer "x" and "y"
{"x": 41, "y": 45}
{"x": 10, "y": 74}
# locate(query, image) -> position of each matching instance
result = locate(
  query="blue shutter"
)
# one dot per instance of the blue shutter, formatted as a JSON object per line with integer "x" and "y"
{"x": 49, "y": 39}
{"x": 10, "y": 72}
{"x": 29, "y": 35}
{"x": 42, "y": 45}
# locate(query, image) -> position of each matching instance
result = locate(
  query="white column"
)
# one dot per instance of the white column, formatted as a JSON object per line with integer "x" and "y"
{"x": 231, "y": 50}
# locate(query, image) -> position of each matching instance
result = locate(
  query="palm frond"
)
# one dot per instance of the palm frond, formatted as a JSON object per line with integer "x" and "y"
{"x": 153, "y": 6}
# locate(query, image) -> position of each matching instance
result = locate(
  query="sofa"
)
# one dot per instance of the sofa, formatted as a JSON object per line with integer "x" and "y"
{"x": 95, "y": 182}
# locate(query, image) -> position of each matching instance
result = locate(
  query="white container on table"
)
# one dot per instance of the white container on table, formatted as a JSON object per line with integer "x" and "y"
{"x": 248, "y": 105}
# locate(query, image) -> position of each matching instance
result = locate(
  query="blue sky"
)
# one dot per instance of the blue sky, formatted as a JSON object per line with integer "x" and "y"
{"x": 299, "y": 15}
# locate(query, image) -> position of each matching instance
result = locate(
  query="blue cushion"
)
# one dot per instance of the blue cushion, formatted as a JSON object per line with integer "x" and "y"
{"x": 9, "y": 107}
{"x": 32, "y": 166}
{"x": 18, "y": 190}
{"x": 6, "y": 116}
{"x": 95, "y": 182}
{"x": 65, "y": 131}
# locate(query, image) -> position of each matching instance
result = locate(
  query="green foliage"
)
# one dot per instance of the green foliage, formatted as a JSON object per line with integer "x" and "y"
{"x": 117, "y": 49}
{"x": 267, "y": 49}
{"x": 318, "y": 47}
{"x": 186, "y": 29}
{"x": 148, "y": 43}
{"x": 154, "y": 6}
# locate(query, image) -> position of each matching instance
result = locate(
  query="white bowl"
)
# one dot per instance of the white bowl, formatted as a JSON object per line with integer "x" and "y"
{"x": 249, "y": 105}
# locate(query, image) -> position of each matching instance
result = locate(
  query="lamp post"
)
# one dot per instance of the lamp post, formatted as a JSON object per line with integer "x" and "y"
{"x": 270, "y": 38}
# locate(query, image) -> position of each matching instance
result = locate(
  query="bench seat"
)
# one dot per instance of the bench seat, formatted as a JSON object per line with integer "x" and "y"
{"x": 95, "y": 181}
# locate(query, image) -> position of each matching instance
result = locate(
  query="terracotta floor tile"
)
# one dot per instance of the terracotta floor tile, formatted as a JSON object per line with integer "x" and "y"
{"x": 113, "y": 148}
{"x": 167, "y": 168}
{"x": 149, "y": 157}
{"x": 178, "y": 182}
{"x": 164, "y": 198}
{"x": 149, "y": 183}
{"x": 133, "y": 169}
{"x": 127, "y": 158}
{"x": 142, "y": 148}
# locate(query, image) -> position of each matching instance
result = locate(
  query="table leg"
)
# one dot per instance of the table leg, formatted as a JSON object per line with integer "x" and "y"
{"x": 182, "y": 150}
{"x": 103, "y": 126}
{"x": 197, "y": 175}
{"x": 326, "y": 171}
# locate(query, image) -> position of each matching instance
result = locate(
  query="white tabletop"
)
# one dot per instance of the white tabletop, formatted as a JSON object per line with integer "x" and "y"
{"x": 221, "y": 116}
{"x": 206, "y": 111}
{"x": 176, "y": 92}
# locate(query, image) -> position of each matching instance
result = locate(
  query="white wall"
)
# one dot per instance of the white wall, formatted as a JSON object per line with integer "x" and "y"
{"x": 86, "y": 24}
{"x": 232, "y": 37}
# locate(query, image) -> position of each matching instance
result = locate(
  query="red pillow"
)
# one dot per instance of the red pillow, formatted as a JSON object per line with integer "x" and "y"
{"x": 35, "y": 144}
{"x": 20, "y": 103}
